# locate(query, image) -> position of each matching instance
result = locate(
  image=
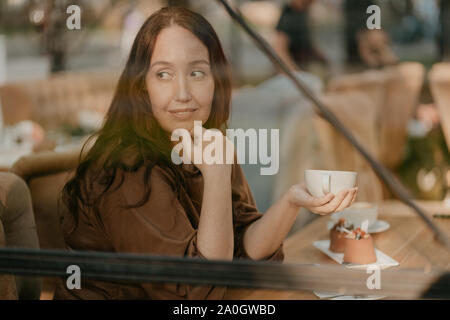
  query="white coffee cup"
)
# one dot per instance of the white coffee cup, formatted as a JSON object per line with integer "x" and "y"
{"x": 357, "y": 213}
{"x": 321, "y": 182}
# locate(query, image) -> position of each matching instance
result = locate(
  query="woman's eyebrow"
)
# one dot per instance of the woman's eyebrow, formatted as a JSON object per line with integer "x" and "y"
{"x": 199, "y": 62}
{"x": 165, "y": 63}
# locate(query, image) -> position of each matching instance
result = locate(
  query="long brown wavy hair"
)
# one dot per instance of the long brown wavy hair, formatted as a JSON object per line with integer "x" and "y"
{"x": 130, "y": 136}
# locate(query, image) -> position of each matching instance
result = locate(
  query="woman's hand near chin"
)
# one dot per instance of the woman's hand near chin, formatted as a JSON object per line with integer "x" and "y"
{"x": 208, "y": 169}
{"x": 299, "y": 196}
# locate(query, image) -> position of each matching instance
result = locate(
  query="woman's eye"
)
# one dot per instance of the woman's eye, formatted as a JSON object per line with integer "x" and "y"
{"x": 163, "y": 75}
{"x": 197, "y": 74}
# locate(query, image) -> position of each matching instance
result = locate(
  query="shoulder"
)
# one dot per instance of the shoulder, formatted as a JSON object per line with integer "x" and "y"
{"x": 125, "y": 187}
{"x": 153, "y": 176}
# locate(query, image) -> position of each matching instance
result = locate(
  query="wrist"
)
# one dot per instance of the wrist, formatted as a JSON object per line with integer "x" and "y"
{"x": 214, "y": 175}
{"x": 292, "y": 198}
{"x": 219, "y": 178}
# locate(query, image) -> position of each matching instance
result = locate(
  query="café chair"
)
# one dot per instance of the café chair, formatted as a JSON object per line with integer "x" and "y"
{"x": 17, "y": 229}
{"x": 395, "y": 93}
{"x": 46, "y": 174}
{"x": 403, "y": 86}
{"x": 440, "y": 89}
{"x": 58, "y": 100}
{"x": 7, "y": 282}
{"x": 371, "y": 82}
{"x": 357, "y": 112}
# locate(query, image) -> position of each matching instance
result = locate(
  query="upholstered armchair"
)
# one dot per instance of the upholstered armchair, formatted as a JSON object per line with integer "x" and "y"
{"x": 17, "y": 229}
{"x": 46, "y": 173}
{"x": 57, "y": 100}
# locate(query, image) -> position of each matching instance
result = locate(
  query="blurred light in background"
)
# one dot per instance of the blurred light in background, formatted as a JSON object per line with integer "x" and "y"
{"x": 37, "y": 16}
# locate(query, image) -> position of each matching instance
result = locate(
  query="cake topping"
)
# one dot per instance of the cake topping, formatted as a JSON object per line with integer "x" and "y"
{"x": 357, "y": 234}
{"x": 343, "y": 226}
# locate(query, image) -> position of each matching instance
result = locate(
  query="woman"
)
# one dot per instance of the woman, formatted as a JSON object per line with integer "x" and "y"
{"x": 127, "y": 194}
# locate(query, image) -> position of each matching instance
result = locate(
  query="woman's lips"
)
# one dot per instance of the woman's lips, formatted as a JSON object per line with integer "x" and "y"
{"x": 184, "y": 113}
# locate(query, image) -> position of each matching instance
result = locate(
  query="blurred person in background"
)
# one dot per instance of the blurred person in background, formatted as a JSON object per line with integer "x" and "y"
{"x": 293, "y": 41}
{"x": 355, "y": 18}
{"x": 364, "y": 47}
{"x": 374, "y": 49}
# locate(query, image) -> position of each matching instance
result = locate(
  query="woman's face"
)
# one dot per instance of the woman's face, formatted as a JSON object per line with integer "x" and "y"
{"x": 179, "y": 81}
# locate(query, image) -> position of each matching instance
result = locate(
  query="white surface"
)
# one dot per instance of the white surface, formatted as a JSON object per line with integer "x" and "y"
{"x": 377, "y": 226}
{"x": 383, "y": 260}
{"x": 336, "y": 296}
{"x": 361, "y": 297}
{"x": 357, "y": 213}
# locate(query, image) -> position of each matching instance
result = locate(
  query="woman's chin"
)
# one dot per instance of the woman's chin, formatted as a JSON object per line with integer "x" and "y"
{"x": 187, "y": 125}
{"x": 190, "y": 124}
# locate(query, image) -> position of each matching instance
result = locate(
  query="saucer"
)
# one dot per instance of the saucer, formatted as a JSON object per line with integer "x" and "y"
{"x": 383, "y": 260}
{"x": 377, "y": 226}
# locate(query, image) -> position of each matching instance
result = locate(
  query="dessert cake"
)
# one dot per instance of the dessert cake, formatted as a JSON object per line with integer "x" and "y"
{"x": 337, "y": 236}
{"x": 359, "y": 248}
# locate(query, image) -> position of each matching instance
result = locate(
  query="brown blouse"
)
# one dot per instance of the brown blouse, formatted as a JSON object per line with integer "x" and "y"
{"x": 164, "y": 225}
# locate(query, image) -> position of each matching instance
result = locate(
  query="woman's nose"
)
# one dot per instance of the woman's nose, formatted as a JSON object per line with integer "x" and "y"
{"x": 183, "y": 93}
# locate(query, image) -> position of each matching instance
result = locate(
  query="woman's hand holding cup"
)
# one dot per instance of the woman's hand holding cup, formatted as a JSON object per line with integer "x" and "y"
{"x": 298, "y": 195}
{"x": 325, "y": 191}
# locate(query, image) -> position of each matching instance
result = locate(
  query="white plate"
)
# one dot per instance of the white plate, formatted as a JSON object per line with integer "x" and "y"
{"x": 383, "y": 260}
{"x": 377, "y": 226}
{"x": 336, "y": 296}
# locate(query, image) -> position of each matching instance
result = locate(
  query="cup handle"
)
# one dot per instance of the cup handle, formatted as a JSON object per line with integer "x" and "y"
{"x": 326, "y": 183}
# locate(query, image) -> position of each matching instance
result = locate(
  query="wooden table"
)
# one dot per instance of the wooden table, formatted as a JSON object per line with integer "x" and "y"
{"x": 408, "y": 240}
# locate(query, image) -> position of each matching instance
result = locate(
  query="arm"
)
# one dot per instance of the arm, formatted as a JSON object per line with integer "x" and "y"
{"x": 266, "y": 234}
{"x": 281, "y": 47}
{"x": 215, "y": 229}
{"x": 215, "y": 237}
